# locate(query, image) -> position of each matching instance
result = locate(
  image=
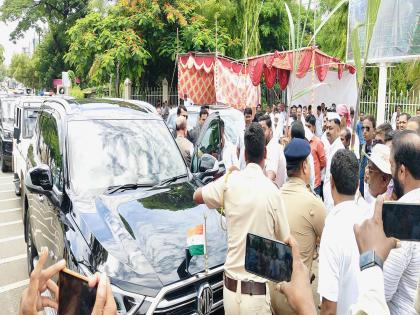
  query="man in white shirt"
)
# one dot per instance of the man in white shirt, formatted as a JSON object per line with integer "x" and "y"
{"x": 333, "y": 136}
{"x": 402, "y": 269}
{"x": 275, "y": 162}
{"x": 394, "y": 118}
{"x": 319, "y": 122}
{"x": 229, "y": 154}
{"x": 338, "y": 254}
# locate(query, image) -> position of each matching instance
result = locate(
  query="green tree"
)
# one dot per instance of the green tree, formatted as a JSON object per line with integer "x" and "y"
{"x": 3, "y": 70}
{"x": 58, "y": 15}
{"x": 334, "y": 45}
{"x": 22, "y": 70}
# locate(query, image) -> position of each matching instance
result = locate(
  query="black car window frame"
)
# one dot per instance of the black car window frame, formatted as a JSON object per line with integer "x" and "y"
{"x": 213, "y": 132}
{"x": 50, "y": 153}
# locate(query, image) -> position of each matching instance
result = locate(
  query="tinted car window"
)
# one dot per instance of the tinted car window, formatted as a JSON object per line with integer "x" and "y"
{"x": 7, "y": 110}
{"x": 117, "y": 152}
{"x": 208, "y": 144}
{"x": 49, "y": 148}
{"x": 29, "y": 121}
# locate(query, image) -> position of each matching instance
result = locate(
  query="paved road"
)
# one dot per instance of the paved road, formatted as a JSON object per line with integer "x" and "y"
{"x": 13, "y": 269}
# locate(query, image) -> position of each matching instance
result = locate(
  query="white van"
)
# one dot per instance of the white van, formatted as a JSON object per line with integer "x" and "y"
{"x": 26, "y": 112}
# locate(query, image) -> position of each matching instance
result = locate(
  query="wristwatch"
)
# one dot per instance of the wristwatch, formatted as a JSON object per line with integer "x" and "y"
{"x": 369, "y": 259}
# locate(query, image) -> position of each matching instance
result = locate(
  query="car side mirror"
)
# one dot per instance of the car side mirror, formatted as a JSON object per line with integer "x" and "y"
{"x": 39, "y": 179}
{"x": 16, "y": 133}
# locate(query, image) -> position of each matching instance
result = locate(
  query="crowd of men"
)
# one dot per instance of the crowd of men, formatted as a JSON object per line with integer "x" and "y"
{"x": 303, "y": 177}
{"x": 307, "y": 175}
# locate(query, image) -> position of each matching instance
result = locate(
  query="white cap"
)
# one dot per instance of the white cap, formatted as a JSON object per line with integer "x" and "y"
{"x": 380, "y": 157}
{"x": 333, "y": 115}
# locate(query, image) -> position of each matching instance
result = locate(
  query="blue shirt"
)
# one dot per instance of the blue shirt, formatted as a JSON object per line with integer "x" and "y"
{"x": 359, "y": 132}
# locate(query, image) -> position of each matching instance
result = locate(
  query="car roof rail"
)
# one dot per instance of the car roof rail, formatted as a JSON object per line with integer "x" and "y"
{"x": 145, "y": 105}
{"x": 63, "y": 101}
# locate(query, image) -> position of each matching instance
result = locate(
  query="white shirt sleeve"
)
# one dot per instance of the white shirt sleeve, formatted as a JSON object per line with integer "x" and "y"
{"x": 273, "y": 156}
{"x": 394, "y": 267}
{"x": 312, "y": 171}
{"x": 329, "y": 268}
{"x": 371, "y": 298}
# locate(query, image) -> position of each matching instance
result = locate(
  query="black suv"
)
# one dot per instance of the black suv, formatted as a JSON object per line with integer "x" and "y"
{"x": 107, "y": 189}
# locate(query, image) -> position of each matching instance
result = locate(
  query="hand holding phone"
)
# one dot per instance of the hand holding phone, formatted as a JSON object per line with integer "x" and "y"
{"x": 81, "y": 295}
{"x": 76, "y": 297}
{"x": 268, "y": 258}
{"x": 402, "y": 220}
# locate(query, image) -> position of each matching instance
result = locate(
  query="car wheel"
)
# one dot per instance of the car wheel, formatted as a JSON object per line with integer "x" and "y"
{"x": 4, "y": 168}
{"x": 31, "y": 252}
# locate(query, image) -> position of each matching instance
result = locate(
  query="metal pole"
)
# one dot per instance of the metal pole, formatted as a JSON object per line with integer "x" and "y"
{"x": 380, "y": 114}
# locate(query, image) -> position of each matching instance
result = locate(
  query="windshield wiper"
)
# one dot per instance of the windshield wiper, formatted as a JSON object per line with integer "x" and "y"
{"x": 113, "y": 189}
{"x": 170, "y": 180}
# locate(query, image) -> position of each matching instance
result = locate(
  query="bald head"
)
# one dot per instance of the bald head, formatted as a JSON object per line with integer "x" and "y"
{"x": 414, "y": 124}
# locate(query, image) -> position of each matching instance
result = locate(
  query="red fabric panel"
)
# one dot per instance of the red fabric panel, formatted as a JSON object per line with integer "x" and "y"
{"x": 270, "y": 75}
{"x": 304, "y": 64}
{"x": 283, "y": 76}
{"x": 197, "y": 84}
{"x": 340, "y": 70}
{"x": 351, "y": 69}
{"x": 255, "y": 69}
{"x": 268, "y": 60}
{"x": 321, "y": 66}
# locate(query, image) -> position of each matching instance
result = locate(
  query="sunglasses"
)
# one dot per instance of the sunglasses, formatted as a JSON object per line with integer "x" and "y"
{"x": 366, "y": 128}
{"x": 377, "y": 141}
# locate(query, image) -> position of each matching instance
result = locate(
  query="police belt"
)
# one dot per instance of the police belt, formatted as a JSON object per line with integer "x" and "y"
{"x": 247, "y": 287}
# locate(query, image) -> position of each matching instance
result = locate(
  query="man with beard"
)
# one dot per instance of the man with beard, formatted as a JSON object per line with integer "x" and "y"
{"x": 333, "y": 136}
{"x": 369, "y": 125}
{"x": 275, "y": 163}
{"x": 402, "y": 268}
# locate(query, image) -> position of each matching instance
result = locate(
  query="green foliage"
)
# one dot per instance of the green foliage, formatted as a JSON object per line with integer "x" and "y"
{"x": 22, "y": 69}
{"x": 337, "y": 25}
{"x": 76, "y": 92}
{"x": 28, "y": 13}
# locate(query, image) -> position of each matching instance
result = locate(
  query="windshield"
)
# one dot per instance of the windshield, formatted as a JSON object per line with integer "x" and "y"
{"x": 106, "y": 153}
{"x": 191, "y": 121}
{"x": 7, "y": 111}
{"x": 29, "y": 121}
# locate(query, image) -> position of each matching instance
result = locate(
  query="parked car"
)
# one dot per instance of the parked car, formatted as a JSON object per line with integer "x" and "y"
{"x": 25, "y": 114}
{"x": 108, "y": 190}
{"x": 7, "y": 107}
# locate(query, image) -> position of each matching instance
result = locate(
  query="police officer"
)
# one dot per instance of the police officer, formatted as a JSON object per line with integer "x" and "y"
{"x": 306, "y": 212}
{"x": 252, "y": 204}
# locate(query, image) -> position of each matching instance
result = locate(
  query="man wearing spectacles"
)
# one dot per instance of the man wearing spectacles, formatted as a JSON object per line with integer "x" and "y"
{"x": 368, "y": 128}
{"x": 378, "y": 173}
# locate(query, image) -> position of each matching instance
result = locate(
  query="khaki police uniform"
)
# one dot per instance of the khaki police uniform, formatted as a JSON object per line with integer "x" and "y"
{"x": 252, "y": 204}
{"x": 306, "y": 216}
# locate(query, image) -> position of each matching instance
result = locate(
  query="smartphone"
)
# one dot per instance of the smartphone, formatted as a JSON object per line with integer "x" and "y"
{"x": 76, "y": 297}
{"x": 268, "y": 258}
{"x": 402, "y": 220}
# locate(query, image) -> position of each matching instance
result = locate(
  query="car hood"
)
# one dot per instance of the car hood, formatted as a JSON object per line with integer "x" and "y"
{"x": 144, "y": 234}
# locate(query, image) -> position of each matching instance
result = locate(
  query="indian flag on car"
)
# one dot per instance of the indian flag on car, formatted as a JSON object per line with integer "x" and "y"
{"x": 196, "y": 240}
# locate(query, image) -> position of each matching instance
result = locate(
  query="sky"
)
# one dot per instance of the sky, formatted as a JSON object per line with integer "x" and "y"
{"x": 9, "y": 47}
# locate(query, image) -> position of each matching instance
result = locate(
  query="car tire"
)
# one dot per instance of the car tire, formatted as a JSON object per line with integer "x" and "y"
{"x": 31, "y": 252}
{"x": 4, "y": 168}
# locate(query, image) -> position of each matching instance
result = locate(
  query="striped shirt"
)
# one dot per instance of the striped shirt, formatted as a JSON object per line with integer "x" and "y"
{"x": 402, "y": 270}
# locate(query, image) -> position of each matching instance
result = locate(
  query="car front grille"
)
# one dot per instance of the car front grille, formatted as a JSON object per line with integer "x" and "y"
{"x": 183, "y": 300}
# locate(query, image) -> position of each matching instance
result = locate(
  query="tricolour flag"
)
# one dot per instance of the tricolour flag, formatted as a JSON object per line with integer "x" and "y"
{"x": 196, "y": 240}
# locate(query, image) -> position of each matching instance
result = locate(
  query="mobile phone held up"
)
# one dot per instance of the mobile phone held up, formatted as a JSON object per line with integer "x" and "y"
{"x": 402, "y": 220}
{"x": 268, "y": 258}
{"x": 76, "y": 297}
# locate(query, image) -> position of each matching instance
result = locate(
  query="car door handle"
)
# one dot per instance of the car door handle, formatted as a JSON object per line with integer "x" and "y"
{"x": 41, "y": 198}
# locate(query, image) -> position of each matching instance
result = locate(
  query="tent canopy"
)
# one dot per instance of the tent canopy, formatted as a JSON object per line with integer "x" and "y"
{"x": 277, "y": 66}
{"x": 209, "y": 78}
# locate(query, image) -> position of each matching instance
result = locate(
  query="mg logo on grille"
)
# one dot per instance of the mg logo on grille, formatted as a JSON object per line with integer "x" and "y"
{"x": 204, "y": 299}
